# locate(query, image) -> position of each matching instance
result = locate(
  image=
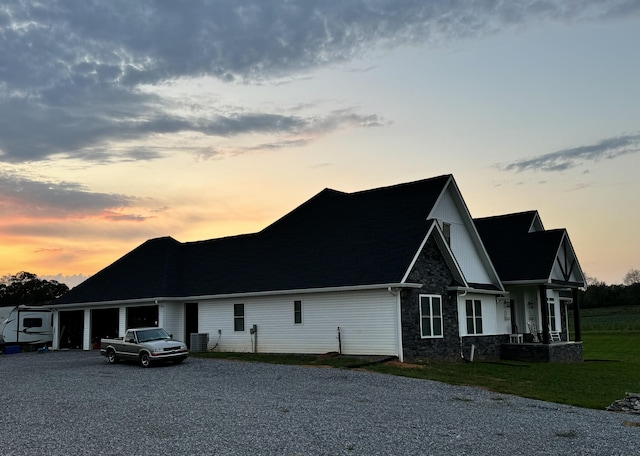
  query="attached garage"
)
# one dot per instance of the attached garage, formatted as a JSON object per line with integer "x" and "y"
{"x": 104, "y": 323}
{"x": 71, "y": 331}
{"x": 139, "y": 317}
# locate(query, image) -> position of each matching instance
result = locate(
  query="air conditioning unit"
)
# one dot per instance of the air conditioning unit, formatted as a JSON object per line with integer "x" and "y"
{"x": 199, "y": 342}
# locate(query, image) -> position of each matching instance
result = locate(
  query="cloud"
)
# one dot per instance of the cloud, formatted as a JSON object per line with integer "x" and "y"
{"x": 562, "y": 160}
{"x": 72, "y": 73}
{"x": 70, "y": 280}
{"x": 21, "y": 196}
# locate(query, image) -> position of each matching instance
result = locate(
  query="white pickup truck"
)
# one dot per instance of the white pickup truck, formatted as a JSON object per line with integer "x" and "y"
{"x": 144, "y": 345}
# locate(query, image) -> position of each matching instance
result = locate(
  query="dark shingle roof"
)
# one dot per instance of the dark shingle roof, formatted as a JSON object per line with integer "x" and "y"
{"x": 334, "y": 239}
{"x": 517, "y": 254}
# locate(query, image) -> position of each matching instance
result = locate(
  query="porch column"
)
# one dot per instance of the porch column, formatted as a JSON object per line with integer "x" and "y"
{"x": 56, "y": 330}
{"x": 576, "y": 316}
{"x": 545, "y": 314}
{"x": 86, "y": 330}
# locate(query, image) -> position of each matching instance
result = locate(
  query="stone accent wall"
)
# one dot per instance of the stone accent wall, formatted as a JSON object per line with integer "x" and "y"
{"x": 567, "y": 352}
{"x": 487, "y": 347}
{"x": 430, "y": 270}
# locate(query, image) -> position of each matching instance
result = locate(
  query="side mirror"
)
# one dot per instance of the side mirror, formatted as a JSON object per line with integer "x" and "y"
{"x": 171, "y": 336}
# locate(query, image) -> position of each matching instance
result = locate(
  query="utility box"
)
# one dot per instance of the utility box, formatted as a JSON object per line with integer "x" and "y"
{"x": 199, "y": 342}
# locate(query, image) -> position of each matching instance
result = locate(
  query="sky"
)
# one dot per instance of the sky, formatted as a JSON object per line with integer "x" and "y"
{"x": 123, "y": 121}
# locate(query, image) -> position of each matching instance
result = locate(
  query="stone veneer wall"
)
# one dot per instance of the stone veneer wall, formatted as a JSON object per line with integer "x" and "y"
{"x": 430, "y": 270}
{"x": 567, "y": 352}
{"x": 487, "y": 347}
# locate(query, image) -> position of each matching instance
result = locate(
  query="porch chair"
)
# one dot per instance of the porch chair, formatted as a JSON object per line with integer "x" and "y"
{"x": 554, "y": 336}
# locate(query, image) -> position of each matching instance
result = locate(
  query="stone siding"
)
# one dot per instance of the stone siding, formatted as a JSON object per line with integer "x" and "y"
{"x": 486, "y": 347}
{"x": 567, "y": 352}
{"x": 433, "y": 273}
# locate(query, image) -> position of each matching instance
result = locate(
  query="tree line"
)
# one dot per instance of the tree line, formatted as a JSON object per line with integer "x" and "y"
{"x": 26, "y": 288}
{"x": 599, "y": 294}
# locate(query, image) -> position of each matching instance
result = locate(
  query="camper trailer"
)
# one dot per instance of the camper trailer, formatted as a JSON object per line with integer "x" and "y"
{"x": 25, "y": 326}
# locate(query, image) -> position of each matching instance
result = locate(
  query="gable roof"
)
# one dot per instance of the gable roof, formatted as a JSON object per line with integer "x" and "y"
{"x": 335, "y": 239}
{"x": 520, "y": 249}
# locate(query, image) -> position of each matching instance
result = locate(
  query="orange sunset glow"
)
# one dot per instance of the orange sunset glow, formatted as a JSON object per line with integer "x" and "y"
{"x": 117, "y": 130}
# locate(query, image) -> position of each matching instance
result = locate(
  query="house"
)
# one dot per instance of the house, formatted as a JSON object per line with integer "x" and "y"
{"x": 399, "y": 271}
{"x": 542, "y": 283}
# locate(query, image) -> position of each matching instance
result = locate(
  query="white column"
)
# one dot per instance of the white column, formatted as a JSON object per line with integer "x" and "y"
{"x": 56, "y": 330}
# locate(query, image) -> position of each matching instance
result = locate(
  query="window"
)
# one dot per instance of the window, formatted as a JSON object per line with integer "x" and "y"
{"x": 32, "y": 322}
{"x": 430, "y": 316}
{"x": 474, "y": 316}
{"x": 238, "y": 317}
{"x": 552, "y": 314}
{"x": 446, "y": 231}
{"x": 297, "y": 312}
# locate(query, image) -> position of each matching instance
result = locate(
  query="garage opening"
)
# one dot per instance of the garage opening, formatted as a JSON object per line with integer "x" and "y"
{"x": 71, "y": 328}
{"x": 104, "y": 323}
{"x": 190, "y": 321}
{"x": 139, "y": 317}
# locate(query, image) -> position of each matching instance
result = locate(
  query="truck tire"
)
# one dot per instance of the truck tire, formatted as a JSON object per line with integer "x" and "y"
{"x": 111, "y": 356}
{"x": 145, "y": 359}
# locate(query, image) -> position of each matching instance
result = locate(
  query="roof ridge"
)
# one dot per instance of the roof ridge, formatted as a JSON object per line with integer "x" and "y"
{"x": 402, "y": 184}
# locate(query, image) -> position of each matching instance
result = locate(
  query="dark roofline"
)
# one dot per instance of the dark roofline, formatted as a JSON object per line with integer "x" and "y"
{"x": 503, "y": 216}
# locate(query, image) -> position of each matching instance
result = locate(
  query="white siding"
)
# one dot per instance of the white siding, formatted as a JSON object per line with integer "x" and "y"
{"x": 493, "y": 321}
{"x": 172, "y": 316}
{"x": 122, "y": 321}
{"x": 462, "y": 245}
{"x": 367, "y": 322}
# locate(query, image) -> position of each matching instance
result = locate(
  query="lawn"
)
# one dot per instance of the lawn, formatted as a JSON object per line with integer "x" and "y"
{"x": 611, "y": 367}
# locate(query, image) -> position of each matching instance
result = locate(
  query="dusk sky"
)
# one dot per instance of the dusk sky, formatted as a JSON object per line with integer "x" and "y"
{"x": 122, "y": 121}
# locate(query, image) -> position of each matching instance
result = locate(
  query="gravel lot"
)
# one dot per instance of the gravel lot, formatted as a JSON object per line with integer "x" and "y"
{"x": 68, "y": 403}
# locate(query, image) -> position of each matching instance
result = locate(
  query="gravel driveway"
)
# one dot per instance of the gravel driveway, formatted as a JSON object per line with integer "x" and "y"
{"x": 68, "y": 403}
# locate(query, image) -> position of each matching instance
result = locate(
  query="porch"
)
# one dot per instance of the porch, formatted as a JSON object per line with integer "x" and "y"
{"x": 556, "y": 352}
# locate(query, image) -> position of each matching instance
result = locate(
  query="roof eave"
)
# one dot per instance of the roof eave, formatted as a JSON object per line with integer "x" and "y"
{"x": 298, "y": 291}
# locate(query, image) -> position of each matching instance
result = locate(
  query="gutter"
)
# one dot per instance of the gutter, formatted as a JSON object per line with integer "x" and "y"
{"x": 465, "y": 290}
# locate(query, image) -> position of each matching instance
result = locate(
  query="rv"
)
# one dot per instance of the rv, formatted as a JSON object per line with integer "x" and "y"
{"x": 25, "y": 326}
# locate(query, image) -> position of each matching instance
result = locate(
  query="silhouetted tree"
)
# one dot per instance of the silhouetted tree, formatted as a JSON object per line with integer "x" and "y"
{"x": 633, "y": 276}
{"x": 26, "y": 288}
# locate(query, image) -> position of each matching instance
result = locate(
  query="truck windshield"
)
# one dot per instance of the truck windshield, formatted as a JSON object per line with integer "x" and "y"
{"x": 147, "y": 335}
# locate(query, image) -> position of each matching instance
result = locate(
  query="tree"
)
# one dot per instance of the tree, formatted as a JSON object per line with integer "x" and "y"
{"x": 633, "y": 276}
{"x": 26, "y": 288}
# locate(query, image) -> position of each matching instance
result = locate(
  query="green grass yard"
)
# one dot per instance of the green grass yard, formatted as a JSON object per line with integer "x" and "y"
{"x": 611, "y": 368}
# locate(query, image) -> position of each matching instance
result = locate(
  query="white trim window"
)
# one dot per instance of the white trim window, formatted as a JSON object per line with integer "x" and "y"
{"x": 297, "y": 312}
{"x": 430, "y": 316}
{"x": 553, "y": 323}
{"x": 238, "y": 317}
{"x": 474, "y": 316}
